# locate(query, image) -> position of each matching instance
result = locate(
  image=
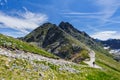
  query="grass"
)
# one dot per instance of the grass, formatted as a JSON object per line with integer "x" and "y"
{"x": 12, "y": 43}
{"x": 20, "y": 69}
{"x": 107, "y": 62}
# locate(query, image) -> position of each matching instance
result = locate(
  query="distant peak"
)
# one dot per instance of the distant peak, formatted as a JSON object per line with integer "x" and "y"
{"x": 62, "y": 22}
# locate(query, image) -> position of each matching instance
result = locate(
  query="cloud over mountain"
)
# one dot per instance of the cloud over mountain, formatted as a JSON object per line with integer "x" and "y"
{"x": 104, "y": 35}
{"x": 23, "y": 21}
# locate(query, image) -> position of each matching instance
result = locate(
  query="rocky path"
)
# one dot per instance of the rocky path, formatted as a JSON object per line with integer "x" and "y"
{"x": 91, "y": 62}
{"x": 30, "y": 56}
{"x": 64, "y": 65}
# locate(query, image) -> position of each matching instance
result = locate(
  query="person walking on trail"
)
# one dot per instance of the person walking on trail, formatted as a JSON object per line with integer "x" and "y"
{"x": 93, "y": 64}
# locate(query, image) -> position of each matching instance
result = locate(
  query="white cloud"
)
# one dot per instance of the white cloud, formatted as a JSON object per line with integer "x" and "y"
{"x": 95, "y": 15}
{"x": 105, "y": 10}
{"x": 104, "y": 35}
{"x": 108, "y": 7}
{"x": 24, "y": 21}
{"x": 81, "y": 13}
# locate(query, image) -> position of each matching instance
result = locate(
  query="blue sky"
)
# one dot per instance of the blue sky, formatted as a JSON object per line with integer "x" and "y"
{"x": 99, "y": 18}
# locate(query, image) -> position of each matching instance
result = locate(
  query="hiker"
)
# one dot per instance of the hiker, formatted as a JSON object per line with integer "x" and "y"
{"x": 93, "y": 64}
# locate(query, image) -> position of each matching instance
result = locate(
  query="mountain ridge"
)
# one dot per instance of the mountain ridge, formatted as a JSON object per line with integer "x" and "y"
{"x": 113, "y": 46}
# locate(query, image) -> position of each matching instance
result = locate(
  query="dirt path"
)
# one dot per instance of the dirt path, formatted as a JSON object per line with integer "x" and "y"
{"x": 92, "y": 60}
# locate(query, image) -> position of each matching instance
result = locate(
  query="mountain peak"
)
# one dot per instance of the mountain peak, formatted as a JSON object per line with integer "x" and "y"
{"x": 45, "y": 26}
{"x": 65, "y": 25}
{"x": 48, "y": 24}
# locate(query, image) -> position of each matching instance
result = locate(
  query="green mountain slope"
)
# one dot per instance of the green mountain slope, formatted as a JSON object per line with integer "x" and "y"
{"x": 12, "y": 44}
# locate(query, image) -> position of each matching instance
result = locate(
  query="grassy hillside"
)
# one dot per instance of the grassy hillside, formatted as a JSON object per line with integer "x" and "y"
{"x": 107, "y": 62}
{"x": 13, "y": 44}
{"x": 20, "y": 69}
